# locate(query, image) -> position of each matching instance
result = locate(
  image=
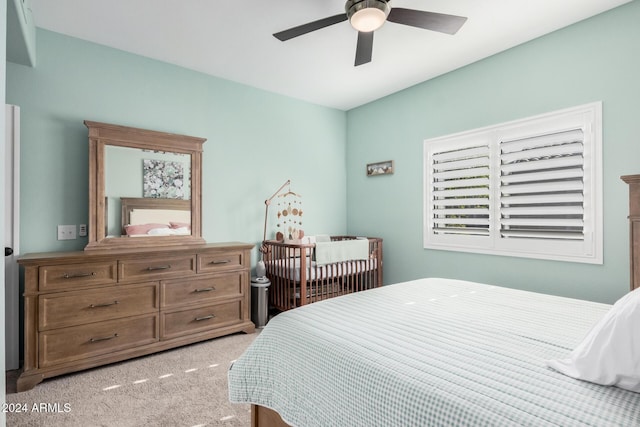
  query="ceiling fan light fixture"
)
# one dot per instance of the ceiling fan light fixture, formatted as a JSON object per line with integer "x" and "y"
{"x": 367, "y": 15}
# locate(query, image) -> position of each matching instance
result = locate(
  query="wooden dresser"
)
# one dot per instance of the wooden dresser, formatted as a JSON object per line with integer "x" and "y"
{"x": 85, "y": 309}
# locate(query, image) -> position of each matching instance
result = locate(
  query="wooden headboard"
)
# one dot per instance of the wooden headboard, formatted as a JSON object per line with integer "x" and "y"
{"x": 634, "y": 227}
{"x": 163, "y": 206}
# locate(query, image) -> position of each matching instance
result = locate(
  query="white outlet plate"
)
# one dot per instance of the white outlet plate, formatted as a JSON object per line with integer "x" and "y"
{"x": 82, "y": 230}
{"x": 66, "y": 232}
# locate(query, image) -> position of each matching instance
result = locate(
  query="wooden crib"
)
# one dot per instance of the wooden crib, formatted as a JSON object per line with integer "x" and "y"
{"x": 296, "y": 279}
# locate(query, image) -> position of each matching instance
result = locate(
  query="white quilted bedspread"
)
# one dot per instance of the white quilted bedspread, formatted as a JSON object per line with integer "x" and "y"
{"x": 430, "y": 352}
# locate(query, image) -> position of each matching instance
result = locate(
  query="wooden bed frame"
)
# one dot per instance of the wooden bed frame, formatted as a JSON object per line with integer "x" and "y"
{"x": 296, "y": 280}
{"x": 265, "y": 417}
{"x": 634, "y": 228}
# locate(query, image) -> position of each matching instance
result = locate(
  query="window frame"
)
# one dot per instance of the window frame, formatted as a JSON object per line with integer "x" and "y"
{"x": 587, "y": 118}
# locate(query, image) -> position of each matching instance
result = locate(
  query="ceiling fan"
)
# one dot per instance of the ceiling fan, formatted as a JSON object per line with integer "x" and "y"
{"x": 366, "y": 16}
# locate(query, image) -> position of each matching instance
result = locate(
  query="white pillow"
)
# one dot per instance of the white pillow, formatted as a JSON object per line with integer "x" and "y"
{"x": 610, "y": 353}
{"x": 160, "y": 232}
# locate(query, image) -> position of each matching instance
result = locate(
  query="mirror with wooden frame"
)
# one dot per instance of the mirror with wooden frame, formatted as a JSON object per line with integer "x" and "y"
{"x": 144, "y": 188}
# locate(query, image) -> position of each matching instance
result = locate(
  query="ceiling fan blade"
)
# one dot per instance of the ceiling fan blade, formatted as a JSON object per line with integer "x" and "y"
{"x": 364, "y": 48}
{"x": 309, "y": 27}
{"x": 449, "y": 24}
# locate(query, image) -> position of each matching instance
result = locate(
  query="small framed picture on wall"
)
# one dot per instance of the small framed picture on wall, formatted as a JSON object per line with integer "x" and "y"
{"x": 380, "y": 168}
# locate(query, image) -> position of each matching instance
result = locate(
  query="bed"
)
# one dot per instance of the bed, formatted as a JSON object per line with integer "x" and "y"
{"x": 443, "y": 352}
{"x": 429, "y": 352}
{"x": 142, "y": 216}
{"x": 320, "y": 267}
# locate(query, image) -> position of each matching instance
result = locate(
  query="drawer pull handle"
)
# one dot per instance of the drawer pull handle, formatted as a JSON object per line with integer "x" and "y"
{"x": 205, "y": 289}
{"x": 159, "y": 267}
{"x": 110, "y": 337}
{"x": 211, "y": 316}
{"x": 222, "y": 261}
{"x": 106, "y": 304}
{"x": 78, "y": 275}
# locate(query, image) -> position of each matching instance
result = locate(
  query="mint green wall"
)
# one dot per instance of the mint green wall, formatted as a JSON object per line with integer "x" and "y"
{"x": 255, "y": 140}
{"x": 594, "y": 60}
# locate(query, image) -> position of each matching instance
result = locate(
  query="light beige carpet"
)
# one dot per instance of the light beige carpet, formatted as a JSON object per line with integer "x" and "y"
{"x": 181, "y": 387}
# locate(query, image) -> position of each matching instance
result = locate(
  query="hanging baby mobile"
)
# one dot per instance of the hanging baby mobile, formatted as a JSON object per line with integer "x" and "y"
{"x": 289, "y": 216}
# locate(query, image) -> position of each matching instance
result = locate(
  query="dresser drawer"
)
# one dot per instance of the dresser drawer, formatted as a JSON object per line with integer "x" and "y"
{"x": 156, "y": 268}
{"x": 220, "y": 261}
{"x": 79, "y": 307}
{"x": 191, "y": 321}
{"x": 200, "y": 290}
{"x": 80, "y": 342}
{"x": 71, "y": 276}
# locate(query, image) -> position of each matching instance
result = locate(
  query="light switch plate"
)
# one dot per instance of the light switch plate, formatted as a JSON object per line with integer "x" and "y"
{"x": 66, "y": 232}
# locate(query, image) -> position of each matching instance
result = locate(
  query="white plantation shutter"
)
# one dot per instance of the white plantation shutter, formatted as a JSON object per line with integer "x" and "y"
{"x": 542, "y": 186}
{"x": 527, "y": 188}
{"x": 460, "y": 196}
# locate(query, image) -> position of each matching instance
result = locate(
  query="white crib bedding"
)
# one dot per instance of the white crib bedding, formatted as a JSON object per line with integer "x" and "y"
{"x": 430, "y": 352}
{"x": 290, "y": 268}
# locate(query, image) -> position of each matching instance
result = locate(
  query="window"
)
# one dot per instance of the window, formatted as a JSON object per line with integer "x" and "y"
{"x": 529, "y": 188}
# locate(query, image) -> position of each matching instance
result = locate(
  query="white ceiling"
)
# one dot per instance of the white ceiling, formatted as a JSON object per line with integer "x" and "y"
{"x": 233, "y": 39}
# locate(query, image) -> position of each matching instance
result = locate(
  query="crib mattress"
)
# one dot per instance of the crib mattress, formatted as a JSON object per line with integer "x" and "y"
{"x": 430, "y": 352}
